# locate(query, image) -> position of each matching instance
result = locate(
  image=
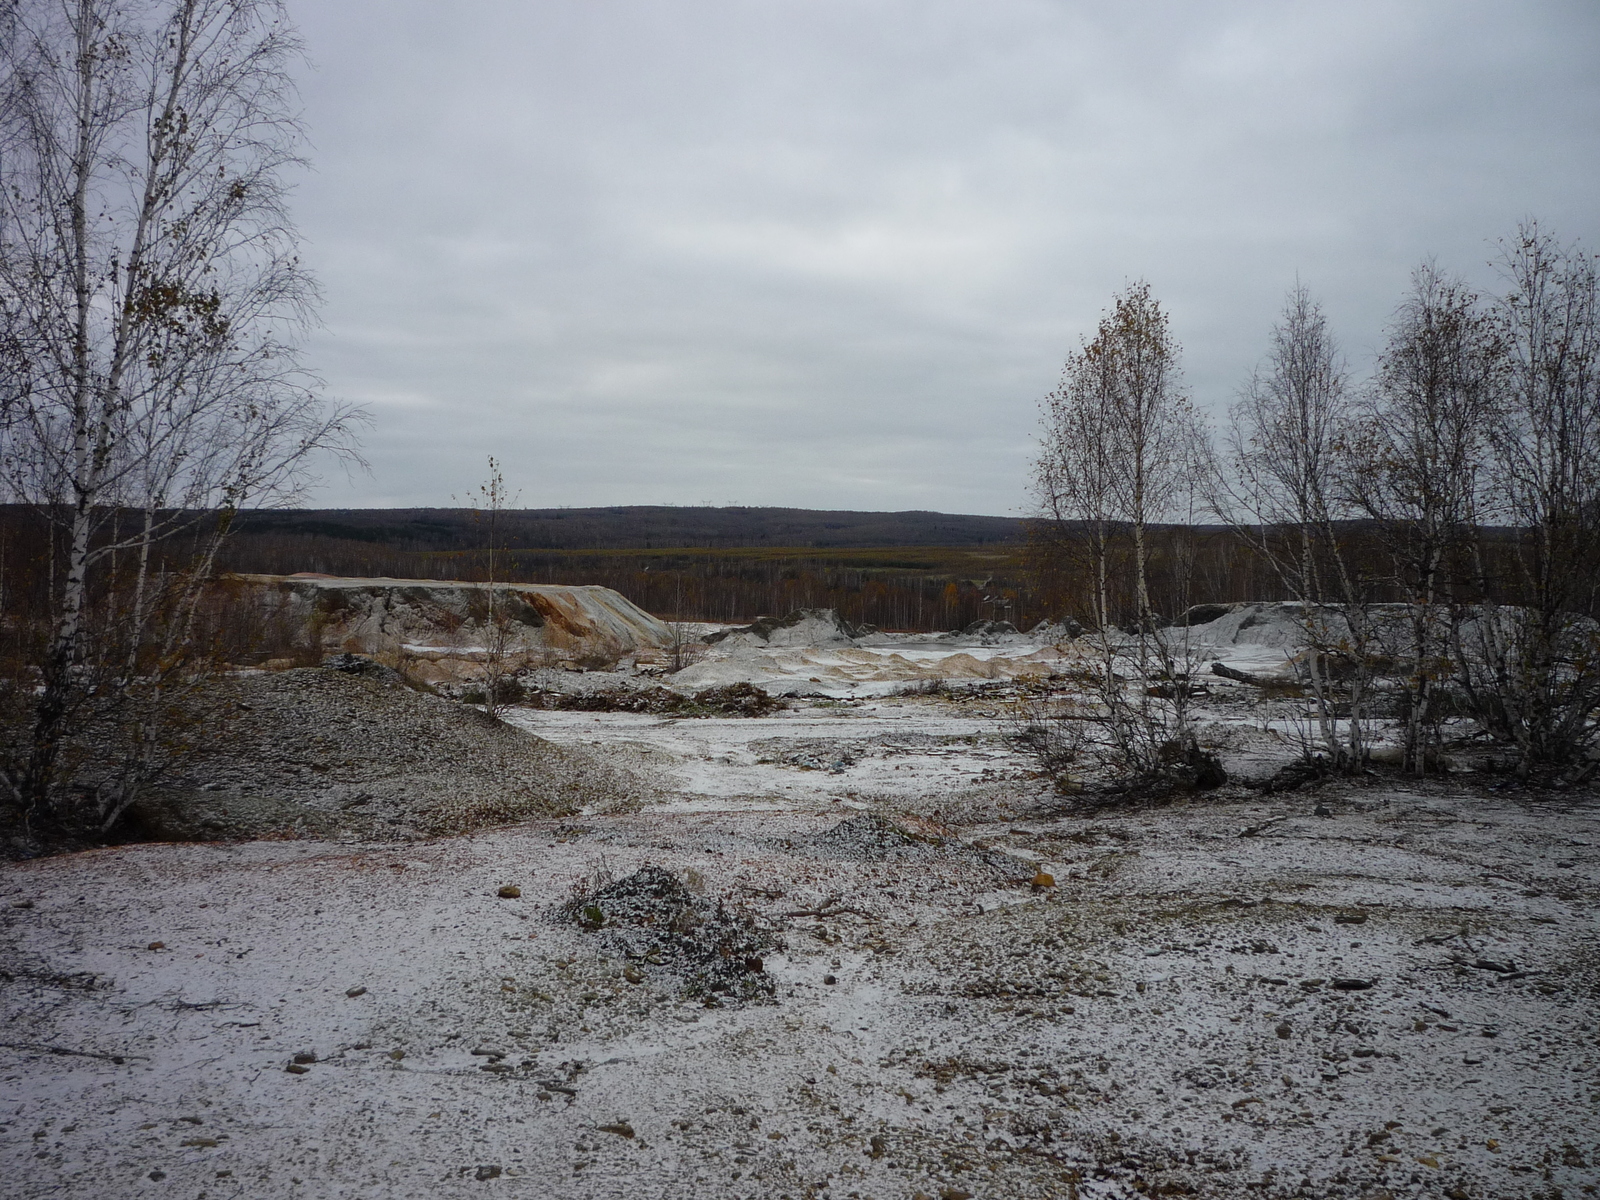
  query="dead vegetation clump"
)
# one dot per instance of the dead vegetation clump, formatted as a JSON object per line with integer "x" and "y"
{"x": 655, "y": 920}
{"x": 732, "y": 700}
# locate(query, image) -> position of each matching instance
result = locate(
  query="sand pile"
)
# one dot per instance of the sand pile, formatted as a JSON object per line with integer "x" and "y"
{"x": 326, "y": 752}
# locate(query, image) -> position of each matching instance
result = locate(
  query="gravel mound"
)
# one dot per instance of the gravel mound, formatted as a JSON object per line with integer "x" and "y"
{"x": 812, "y": 628}
{"x": 667, "y": 932}
{"x": 353, "y": 751}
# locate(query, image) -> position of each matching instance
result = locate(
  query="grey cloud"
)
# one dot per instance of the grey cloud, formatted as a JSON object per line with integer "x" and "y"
{"x": 831, "y": 253}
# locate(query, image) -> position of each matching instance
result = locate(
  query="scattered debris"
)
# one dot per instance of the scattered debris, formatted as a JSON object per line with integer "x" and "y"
{"x": 710, "y": 948}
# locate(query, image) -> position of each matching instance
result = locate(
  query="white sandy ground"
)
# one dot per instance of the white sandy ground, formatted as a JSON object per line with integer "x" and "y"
{"x": 1166, "y": 1021}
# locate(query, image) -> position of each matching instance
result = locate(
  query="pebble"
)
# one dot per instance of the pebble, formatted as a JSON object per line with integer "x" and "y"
{"x": 356, "y": 991}
{"x": 621, "y": 1129}
{"x": 829, "y": 979}
{"x": 305, "y": 1056}
{"x": 295, "y": 1068}
{"x": 510, "y": 892}
{"x": 487, "y": 1173}
{"x": 156, "y": 946}
{"x": 1284, "y": 1030}
{"x": 632, "y": 974}
{"x": 1044, "y": 880}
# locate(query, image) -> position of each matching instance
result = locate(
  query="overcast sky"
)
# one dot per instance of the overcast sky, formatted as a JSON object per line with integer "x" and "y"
{"x": 831, "y": 253}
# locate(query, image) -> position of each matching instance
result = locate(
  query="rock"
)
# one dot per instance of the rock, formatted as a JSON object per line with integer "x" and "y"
{"x": 621, "y": 1129}
{"x": 397, "y": 1055}
{"x": 305, "y": 1056}
{"x": 489, "y": 1052}
{"x": 1284, "y": 1030}
{"x": 1351, "y": 985}
{"x": 355, "y": 991}
{"x": 1350, "y": 918}
{"x": 880, "y": 1146}
{"x": 487, "y": 1173}
{"x": 510, "y": 892}
{"x": 632, "y": 974}
{"x": 158, "y": 1175}
{"x": 829, "y": 980}
{"x": 954, "y": 1193}
{"x": 156, "y": 946}
{"x": 1043, "y": 880}
{"x": 1322, "y": 810}
{"x": 295, "y": 1068}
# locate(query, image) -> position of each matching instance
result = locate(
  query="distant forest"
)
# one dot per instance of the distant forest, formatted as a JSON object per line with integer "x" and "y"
{"x": 907, "y": 570}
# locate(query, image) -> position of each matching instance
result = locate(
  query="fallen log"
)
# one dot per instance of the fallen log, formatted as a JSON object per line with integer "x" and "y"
{"x": 1228, "y": 672}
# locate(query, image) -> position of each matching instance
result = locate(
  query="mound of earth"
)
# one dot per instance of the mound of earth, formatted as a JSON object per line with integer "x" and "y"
{"x": 354, "y": 751}
{"x": 654, "y": 920}
{"x": 813, "y": 628}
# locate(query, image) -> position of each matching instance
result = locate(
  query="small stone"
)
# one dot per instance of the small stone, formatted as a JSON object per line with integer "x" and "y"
{"x": 295, "y": 1068}
{"x": 489, "y": 1052}
{"x": 829, "y": 980}
{"x": 954, "y": 1193}
{"x": 158, "y": 1175}
{"x": 487, "y": 1173}
{"x": 355, "y": 991}
{"x": 156, "y": 946}
{"x": 632, "y": 974}
{"x": 1428, "y": 1160}
{"x": 621, "y": 1129}
{"x": 305, "y": 1056}
{"x": 510, "y": 892}
{"x": 1364, "y": 1052}
{"x": 1351, "y": 985}
{"x": 1284, "y": 1030}
{"x": 1322, "y": 810}
{"x": 1043, "y": 880}
{"x": 880, "y": 1146}
{"x": 397, "y": 1055}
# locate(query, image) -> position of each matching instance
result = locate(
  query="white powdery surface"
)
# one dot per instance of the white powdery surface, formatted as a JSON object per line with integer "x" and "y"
{"x": 1172, "y": 1016}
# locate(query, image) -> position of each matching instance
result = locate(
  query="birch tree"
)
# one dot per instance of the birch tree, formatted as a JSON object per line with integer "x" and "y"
{"x": 150, "y": 296}
{"x": 1282, "y": 495}
{"x": 1419, "y": 464}
{"x": 1532, "y": 667}
{"x": 1120, "y": 452}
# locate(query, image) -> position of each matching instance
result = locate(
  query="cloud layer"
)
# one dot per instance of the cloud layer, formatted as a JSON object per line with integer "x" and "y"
{"x": 830, "y": 253}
